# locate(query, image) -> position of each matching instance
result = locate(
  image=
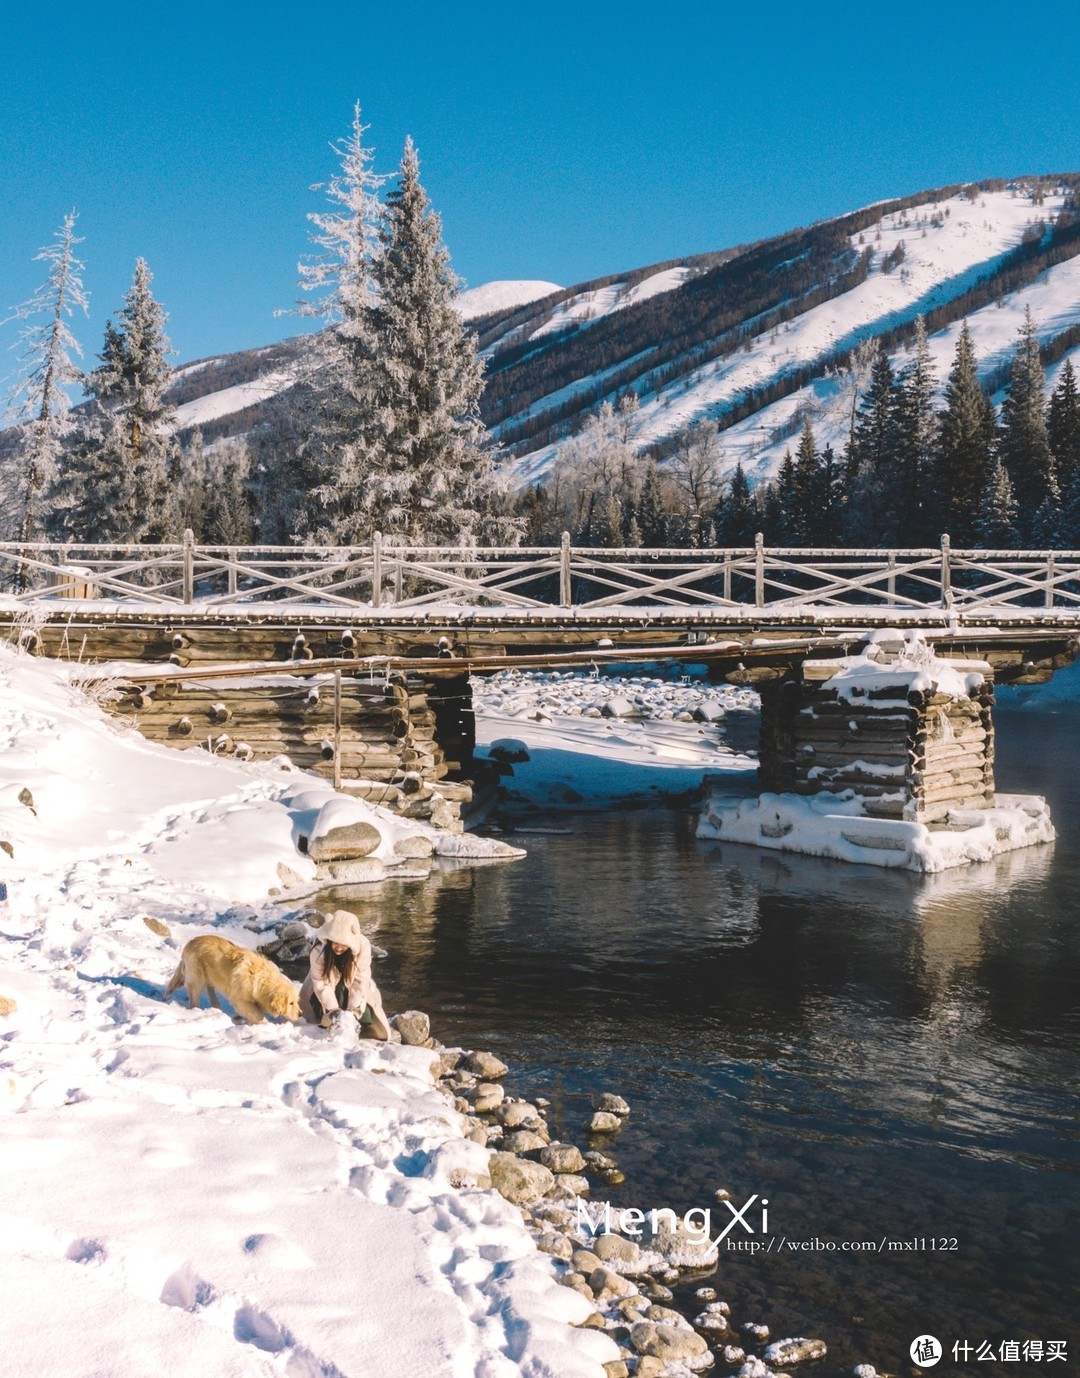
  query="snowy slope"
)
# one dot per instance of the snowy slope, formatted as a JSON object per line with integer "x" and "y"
{"x": 502, "y": 295}
{"x": 182, "y": 1194}
{"x": 942, "y": 260}
{"x": 1054, "y": 300}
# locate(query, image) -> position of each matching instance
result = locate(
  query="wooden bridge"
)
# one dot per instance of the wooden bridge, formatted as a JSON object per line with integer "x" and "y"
{"x": 355, "y": 661}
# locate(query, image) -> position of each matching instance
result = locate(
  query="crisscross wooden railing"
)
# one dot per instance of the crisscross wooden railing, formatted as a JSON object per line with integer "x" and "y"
{"x": 386, "y": 574}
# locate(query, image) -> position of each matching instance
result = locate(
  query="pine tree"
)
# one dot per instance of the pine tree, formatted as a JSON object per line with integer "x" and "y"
{"x": 431, "y": 479}
{"x": 805, "y": 496}
{"x": 1063, "y": 425}
{"x": 784, "y": 492}
{"x": 911, "y": 516}
{"x": 995, "y": 525}
{"x": 740, "y": 521}
{"x": 1025, "y": 444}
{"x": 827, "y": 523}
{"x": 1070, "y": 517}
{"x": 193, "y": 481}
{"x": 869, "y": 457}
{"x": 1047, "y": 526}
{"x": 313, "y": 460}
{"x": 228, "y": 517}
{"x": 964, "y": 451}
{"x": 39, "y": 401}
{"x": 115, "y": 484}
{"x": 650, "y": 514}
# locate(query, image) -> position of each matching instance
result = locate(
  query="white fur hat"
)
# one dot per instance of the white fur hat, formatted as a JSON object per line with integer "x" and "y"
{"x": 342, "y": 927}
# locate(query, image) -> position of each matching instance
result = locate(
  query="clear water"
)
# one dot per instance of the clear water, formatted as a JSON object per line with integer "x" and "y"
{"x": 881, "y": 1056}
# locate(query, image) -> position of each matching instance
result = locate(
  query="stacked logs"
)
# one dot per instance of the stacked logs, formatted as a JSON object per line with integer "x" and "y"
{"x": 916, "y": 755}
{"x": 382, "y": 739}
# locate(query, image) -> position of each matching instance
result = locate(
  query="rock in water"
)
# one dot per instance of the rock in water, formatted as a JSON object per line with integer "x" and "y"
{"x": 667, "y": 1342}
{"x": 414, "y": 1027}
{"x": 612, "y": 1104}
{"x": 518, "y": 1180}
{"x": 794, "y": 1351}
{"x": 562, "y": 1158}
{"x": 603, "y": 1122}
{"x": 486, "y": 1065}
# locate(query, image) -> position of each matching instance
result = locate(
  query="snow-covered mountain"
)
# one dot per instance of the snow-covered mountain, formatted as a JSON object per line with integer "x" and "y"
{"x": 755, "y": 336}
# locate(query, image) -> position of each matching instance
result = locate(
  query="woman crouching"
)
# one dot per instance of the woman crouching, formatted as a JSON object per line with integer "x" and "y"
{"x": 339, "y": 978}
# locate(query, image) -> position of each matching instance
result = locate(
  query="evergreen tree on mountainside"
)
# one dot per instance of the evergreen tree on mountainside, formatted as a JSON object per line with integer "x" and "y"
{"x": 650, "y": 513}
{"x": 227, "y": 518}
{"x": 39, "y": 400}
{"x": 1070, "y": 517}
{"x": 805, "y": 495}
{"x": 740, "y": 514}
{"x": 965, "y": 446}
{"x": 1048, "y": 524}
{"x": 870, "y": 456}
{"x": 431, "y": 478}
{"x": 115, "y": 482}
{"x": 1025, "y": 443}
{"x": 827, "y": 524}
{"x": 910, "y": 514}
{"x": 781, "y": 507}
{"x": 1063, "y": 426}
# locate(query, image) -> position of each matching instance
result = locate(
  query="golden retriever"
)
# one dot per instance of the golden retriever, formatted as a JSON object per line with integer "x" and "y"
{"x": 252, "y": 984}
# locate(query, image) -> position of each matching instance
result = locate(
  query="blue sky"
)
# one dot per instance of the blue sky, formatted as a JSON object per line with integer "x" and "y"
{"x": 558, "y": 141}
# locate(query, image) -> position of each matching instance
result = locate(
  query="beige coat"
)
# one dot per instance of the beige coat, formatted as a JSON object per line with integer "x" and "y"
{"x": 343, "y": 927}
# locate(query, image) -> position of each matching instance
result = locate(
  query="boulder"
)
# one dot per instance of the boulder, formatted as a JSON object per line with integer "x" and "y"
{"x": 345, "y": 842}
{"x": 667, "y": 1342}
{"x": 794, "y": 1351}
{"x": 414, "y": 1027}
{"x": 603, "y": 1122}
{"x": 612, "y": 1104}
{"x": 524, "y": 1141}
{"x": 572, "y": 1182}
{"x": 514, "y": 1114}
{"x": 562, "y": 1157}
{"x": 605, "y": 1283}
{"x": 487, "y": 1097}
{"x": 555, "y": 1244}
{"x": 517, "y": 1180}
{"x": 613, "y": 1247}
{"x": 415, "y": 845}
{"x": 486, "y": 1065}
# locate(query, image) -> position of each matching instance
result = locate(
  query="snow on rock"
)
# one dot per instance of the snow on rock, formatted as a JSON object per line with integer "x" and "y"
{"x": 834, "y": 825}
{"x": 233, "y": 1199}
{"x": 502, "y": 295}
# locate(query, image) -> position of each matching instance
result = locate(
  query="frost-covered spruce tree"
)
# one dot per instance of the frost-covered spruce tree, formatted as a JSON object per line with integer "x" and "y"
{"x": 314, "y": 490}
{"x": 39, "y": 401}
{"x": 1025, "y": 442}
{"x": 431, "y": 480}
{"x": 115, "y": 485}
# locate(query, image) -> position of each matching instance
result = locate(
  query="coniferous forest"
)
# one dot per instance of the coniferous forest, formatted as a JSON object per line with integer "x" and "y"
{"x": 383, "y": 426}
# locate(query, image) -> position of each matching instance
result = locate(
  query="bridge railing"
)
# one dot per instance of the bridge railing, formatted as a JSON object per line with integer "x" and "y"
{"x": 389, "y": 574}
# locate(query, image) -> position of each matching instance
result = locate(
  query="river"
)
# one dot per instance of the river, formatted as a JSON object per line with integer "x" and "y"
{"x": 883, "y": 1057}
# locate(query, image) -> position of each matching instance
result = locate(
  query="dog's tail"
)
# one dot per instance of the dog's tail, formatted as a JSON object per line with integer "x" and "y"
{"x": 177, "y": 980}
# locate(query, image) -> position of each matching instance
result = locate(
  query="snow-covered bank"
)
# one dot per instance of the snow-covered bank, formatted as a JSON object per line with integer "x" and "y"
{"x": 589, "y": 742}
{"x": 182, "y": 1192}
{"x": 835, "y": 825}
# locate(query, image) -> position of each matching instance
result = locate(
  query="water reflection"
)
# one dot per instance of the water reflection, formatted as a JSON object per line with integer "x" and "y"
{"x": 881, "y": 1054}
